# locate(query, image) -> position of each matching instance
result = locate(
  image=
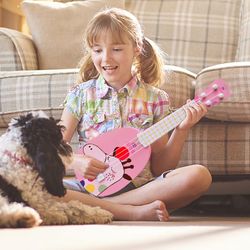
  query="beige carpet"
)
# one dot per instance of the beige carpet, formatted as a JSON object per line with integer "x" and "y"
{"x": 203, "y": 233}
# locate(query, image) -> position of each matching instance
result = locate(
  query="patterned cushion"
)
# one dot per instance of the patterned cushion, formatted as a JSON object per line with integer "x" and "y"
{"x": 194, "y": 34}
{"x": 237, "y": 107}
{"x": 243, "y": 51}
{"x": 17, "y": 51}
{"x": 23, "y": 91}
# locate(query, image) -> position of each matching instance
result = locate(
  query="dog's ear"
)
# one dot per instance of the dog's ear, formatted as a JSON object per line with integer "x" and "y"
{"x": 43, "y": 141}
{"x": 51, "y": 168}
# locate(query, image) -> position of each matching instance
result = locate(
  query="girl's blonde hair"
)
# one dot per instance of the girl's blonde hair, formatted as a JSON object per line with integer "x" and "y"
{"x": 149, "y": 65}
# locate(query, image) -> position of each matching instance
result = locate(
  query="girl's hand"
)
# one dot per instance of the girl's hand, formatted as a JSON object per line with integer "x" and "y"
{"x": 194, "y": 114}
{"x": 89, "y": 167}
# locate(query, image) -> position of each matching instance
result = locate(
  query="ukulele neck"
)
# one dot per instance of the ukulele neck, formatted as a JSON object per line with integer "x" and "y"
{"x": 150, "y": 135}
{"x": 216, "y": 92}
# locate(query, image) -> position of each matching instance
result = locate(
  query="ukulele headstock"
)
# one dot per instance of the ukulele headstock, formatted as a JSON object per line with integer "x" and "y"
{"x": 215, "y": 93}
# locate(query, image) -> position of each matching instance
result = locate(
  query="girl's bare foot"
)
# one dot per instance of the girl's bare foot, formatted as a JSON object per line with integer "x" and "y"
{"x": 154, "y": 211}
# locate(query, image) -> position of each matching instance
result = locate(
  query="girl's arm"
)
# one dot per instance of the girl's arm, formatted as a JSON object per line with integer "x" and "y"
{"x": 166, "y": 152}
{"x": 70, "y": 123}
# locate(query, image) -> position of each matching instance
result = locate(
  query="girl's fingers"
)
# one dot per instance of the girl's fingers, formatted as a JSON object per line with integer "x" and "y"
{"x": 95, "y": 171}
{"x": 95, "y": 167}
{"x": 194, "y": 111}
{"x": 198, "y": 109}
{"x": 92, "y": 172}
{"x": 89, "y": 176}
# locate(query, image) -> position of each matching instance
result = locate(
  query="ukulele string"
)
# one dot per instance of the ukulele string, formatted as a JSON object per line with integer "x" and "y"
{"x": 140, "y": 145}
{"x": 133, "y": 141}
{"x": 136, "y": 149}
{"x": 131, "y": 148}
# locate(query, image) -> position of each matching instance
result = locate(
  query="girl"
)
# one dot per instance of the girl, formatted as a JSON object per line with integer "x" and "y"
{"x": 115, "y": 90}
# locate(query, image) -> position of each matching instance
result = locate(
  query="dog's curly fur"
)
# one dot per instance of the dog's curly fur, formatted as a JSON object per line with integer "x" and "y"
{"x": 33, "y": 158}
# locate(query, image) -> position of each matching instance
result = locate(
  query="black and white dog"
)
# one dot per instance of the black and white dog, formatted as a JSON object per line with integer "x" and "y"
{"x": 33, "y": 158}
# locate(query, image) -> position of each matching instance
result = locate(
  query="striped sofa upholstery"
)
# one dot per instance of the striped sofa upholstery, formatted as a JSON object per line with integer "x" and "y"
{"x": 194, "y": 33}
{"x": 203, "y": 39}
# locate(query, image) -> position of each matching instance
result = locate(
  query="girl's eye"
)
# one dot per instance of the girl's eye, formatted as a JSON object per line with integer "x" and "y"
{"x": 97, "y": 50}
{"x": 117, "y": 49}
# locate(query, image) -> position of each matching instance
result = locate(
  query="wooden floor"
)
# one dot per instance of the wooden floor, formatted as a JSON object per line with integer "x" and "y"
{"x": 210, "y": 223}
{"x": 181, "y": 232}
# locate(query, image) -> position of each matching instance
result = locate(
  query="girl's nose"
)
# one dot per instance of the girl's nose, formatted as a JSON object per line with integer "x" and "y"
{"x": 106, "y": 55}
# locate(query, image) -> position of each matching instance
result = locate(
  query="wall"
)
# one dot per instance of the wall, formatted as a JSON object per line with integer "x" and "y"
{"x": 11, "y": 14}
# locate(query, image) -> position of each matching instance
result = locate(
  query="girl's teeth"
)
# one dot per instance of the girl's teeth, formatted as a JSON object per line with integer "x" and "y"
{"x": 109, "y": 68}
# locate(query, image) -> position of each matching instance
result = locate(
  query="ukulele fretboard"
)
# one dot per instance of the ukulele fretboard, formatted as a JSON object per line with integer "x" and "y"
{"x": 162, "y": 127}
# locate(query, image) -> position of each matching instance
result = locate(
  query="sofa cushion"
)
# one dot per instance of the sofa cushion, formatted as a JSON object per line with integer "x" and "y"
{"x": 194, "y": 34}
{"x": 57, "y": 29}
{"x": 236, "y": 75}
{"x": 23, "y": 91}
{"x": 243, "y": 51}
{"x": 221, "y": 146}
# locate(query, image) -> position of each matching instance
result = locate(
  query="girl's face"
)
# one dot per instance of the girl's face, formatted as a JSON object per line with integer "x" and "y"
{"x": 114, "y": 60}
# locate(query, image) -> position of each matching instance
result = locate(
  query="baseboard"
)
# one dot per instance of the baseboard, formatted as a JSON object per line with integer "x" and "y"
{"x": 230, "y": 187}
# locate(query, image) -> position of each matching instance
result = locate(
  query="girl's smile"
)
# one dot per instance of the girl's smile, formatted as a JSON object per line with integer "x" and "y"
{"x": 110, "y": 69}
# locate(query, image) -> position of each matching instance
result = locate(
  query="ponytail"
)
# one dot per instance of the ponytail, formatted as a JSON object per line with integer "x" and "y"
{"x": 150, "y": 63}
{"x": 87, "y": 69}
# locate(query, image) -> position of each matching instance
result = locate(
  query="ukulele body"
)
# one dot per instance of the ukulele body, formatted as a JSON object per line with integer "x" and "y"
{"x": 124, "y": 154}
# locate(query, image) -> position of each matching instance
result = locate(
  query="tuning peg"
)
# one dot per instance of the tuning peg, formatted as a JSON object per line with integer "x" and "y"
{"x": 215, "y": 86}
{"x": 203, "y": 95}
{"x": 208, "y": 103}
{"x": 221, "y": 96}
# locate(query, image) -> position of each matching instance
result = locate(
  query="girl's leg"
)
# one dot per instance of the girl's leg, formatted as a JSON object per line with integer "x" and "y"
{"x": 152, "y": 211}
{"x": 179, "y": 187}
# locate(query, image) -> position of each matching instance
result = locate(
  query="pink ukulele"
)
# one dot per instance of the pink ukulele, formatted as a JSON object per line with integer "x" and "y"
{"x": 127, "y": 150}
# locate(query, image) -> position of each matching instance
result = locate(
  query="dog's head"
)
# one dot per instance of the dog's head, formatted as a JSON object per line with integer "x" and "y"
{"x": 43, "y": 140}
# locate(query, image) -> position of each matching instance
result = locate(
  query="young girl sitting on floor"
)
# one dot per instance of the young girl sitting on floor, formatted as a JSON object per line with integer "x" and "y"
{"x": 116, "y": 89}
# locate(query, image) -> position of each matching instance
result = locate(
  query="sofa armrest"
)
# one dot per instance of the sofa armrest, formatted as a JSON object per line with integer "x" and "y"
{"x": 28, "y": 90}
{"x": 179, "y": 85}
{"x": 17, "y": 51}
{"x": 236, "y": 108}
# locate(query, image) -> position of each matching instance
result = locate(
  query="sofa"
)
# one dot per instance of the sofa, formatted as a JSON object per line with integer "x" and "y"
{"x": 204, "y": 40}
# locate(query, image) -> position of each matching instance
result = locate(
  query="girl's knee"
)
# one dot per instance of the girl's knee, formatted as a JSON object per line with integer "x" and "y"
{"x": 200, "y": 178}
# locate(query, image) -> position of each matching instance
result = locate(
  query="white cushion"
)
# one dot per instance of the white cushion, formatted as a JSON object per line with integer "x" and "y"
{"x": 57, "y": 29}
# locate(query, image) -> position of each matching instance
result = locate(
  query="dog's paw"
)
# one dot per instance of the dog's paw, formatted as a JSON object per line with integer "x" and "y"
{"x": 27, "y": 217}
{"x": 100, "y": 215}
{"x": 79, "y": 213}
{"x": 15, "y": 215}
